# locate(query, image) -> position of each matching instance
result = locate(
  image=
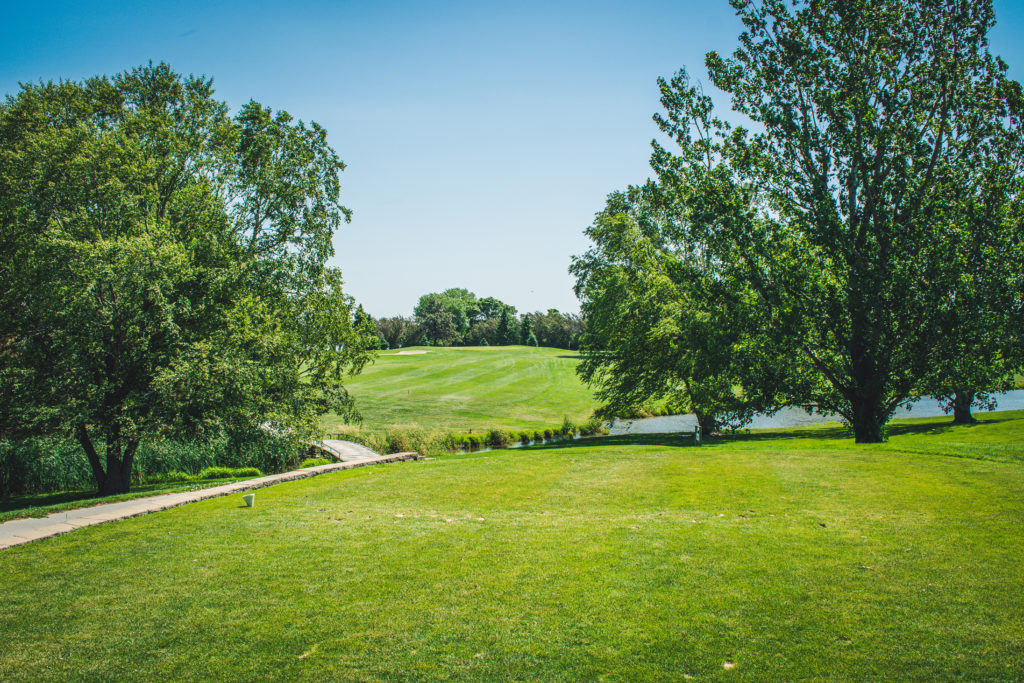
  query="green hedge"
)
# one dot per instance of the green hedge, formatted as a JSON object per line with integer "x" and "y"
{"x": 313, "y": 462}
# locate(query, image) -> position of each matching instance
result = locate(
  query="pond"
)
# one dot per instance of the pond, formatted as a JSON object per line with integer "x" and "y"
{"x": 794, "y": 417}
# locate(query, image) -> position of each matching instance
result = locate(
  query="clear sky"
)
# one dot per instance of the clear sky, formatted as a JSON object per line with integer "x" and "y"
{"x": 480, "y": 137}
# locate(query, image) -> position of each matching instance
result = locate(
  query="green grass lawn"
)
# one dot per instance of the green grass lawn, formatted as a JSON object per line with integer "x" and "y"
{"x": 499, "y": 387}
{"x": 789, "y": 555}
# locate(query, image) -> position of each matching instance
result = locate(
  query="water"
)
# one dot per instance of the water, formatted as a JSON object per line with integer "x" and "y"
{"x": 794, "y": 417}
{"x": 517, "y": 444}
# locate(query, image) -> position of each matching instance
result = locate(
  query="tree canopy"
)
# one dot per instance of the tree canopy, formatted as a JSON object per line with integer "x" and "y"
{"x": 164, "y": 266}
{"x": 661, "y": 322}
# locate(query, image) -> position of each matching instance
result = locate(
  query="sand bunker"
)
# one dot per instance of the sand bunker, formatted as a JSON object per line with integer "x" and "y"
{"x": 410, "y": 353}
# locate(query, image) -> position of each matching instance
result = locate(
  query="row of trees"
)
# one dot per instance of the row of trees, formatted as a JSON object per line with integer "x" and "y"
{"x": 456, "y": 317}
{"x": 163, "y": 268}
{"x": 858, "y": 246}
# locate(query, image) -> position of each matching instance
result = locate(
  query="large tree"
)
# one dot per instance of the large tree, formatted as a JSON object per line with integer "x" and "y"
{"x": 459, "y": 304}
{"x": 437, "y": 320}
{"x": 839, "y": 205}
{"x": 556, "y": 329}
{"x": 982, "y": 316}
{"x": 164, "y": 266}
{"x": 661, "y": 321}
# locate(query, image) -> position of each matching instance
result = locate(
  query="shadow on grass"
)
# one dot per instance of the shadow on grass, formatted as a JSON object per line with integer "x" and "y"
{"x": 939, "y": 425}
{"x": 44, "y": 499}
{"x": 42, "y": 504}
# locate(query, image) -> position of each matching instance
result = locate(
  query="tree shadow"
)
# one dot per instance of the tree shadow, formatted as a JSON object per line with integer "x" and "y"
{"x": 43, "y": 499}
{"x": 939, "y": 425}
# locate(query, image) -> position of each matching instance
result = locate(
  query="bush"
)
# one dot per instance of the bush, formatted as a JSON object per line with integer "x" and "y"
{"x": 314, "y": 462}
{"x": 449, "y": 442}
{"x": 43, "y": 464}
{"x": 538, "y": 437}
{"x": 525, "y": 437}
{"x": 592, "y": 427}
{"x": 568, "y": 428}
{"x": 498, "y": 438}
{"x": 260, "y": 449}
{"x": 474, "y": 442}
{"x": 423, "y": 442}
{"x": 47, "y": 464}
{"x": 548, "y": 435}
{"x": 220, "y": 472}
{"x": 397, "y": 441}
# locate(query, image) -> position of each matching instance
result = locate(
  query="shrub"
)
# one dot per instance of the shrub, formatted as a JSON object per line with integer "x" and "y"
{"x": 548, "y": 435}
{"x": 568, "y": 428}
{"x": 47, "y": 464}
{"x": 42, "y": 464}
{"x": 525, "y": 437}
{"x": 260, "y": 449}
{"x": 397, "y": 441}
{"x": 498, "y": 438}
{"x": 592, "y": 427}
{"x": 314, "y": 462}
{"x": 220, "y": 472}
{"x": 422, "y": 441}
{"x": 449, "y": 442}
{"x": 474, "y": 442}
{"x": 538, "y": 437}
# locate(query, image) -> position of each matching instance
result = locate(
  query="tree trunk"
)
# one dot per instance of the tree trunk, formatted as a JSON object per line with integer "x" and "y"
{"x": 866, "y": 393}
{"x": 869, "y": 418}
{"x": 82, "y": 434}
{"x": 119, "y": 464}
{"x": 708, "y": 423}
{"x": 962, "y": 400}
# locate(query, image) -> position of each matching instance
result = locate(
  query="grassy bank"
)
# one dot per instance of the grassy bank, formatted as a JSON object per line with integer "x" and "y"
{"x": 785, "y": 555}
{"x": 479, "y": 388}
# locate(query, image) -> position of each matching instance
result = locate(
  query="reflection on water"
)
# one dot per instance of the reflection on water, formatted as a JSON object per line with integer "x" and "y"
{"x": 794, "y": 417}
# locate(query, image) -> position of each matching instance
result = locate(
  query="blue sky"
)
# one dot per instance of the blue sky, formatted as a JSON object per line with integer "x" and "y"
{"x": 480, "y": 137}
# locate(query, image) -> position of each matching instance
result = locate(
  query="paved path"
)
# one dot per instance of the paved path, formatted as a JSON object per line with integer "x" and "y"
{"x": 20, "y": 531}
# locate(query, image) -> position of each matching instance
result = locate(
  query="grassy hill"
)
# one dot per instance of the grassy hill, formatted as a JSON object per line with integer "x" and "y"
{"x": 506, "y": 387}
{"x": 775, "y": 556}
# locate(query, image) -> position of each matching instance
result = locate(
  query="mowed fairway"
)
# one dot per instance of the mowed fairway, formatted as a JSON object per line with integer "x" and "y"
{"x": 474, "y": 387}
{"x": 784, "y": 556}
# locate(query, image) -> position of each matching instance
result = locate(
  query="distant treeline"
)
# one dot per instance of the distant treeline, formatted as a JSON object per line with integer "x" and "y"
{"x": 456, "y": 317}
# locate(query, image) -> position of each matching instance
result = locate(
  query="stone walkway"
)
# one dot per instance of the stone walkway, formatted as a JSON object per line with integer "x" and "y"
{"x": 20, "y": 531}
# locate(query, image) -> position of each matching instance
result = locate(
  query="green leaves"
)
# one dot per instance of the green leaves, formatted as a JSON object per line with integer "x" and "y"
{"x": 855, "y": 242}
{"x": 663, "y": 322}
{"x": 166, "y": 264}
{"x": 874, "y": 123}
